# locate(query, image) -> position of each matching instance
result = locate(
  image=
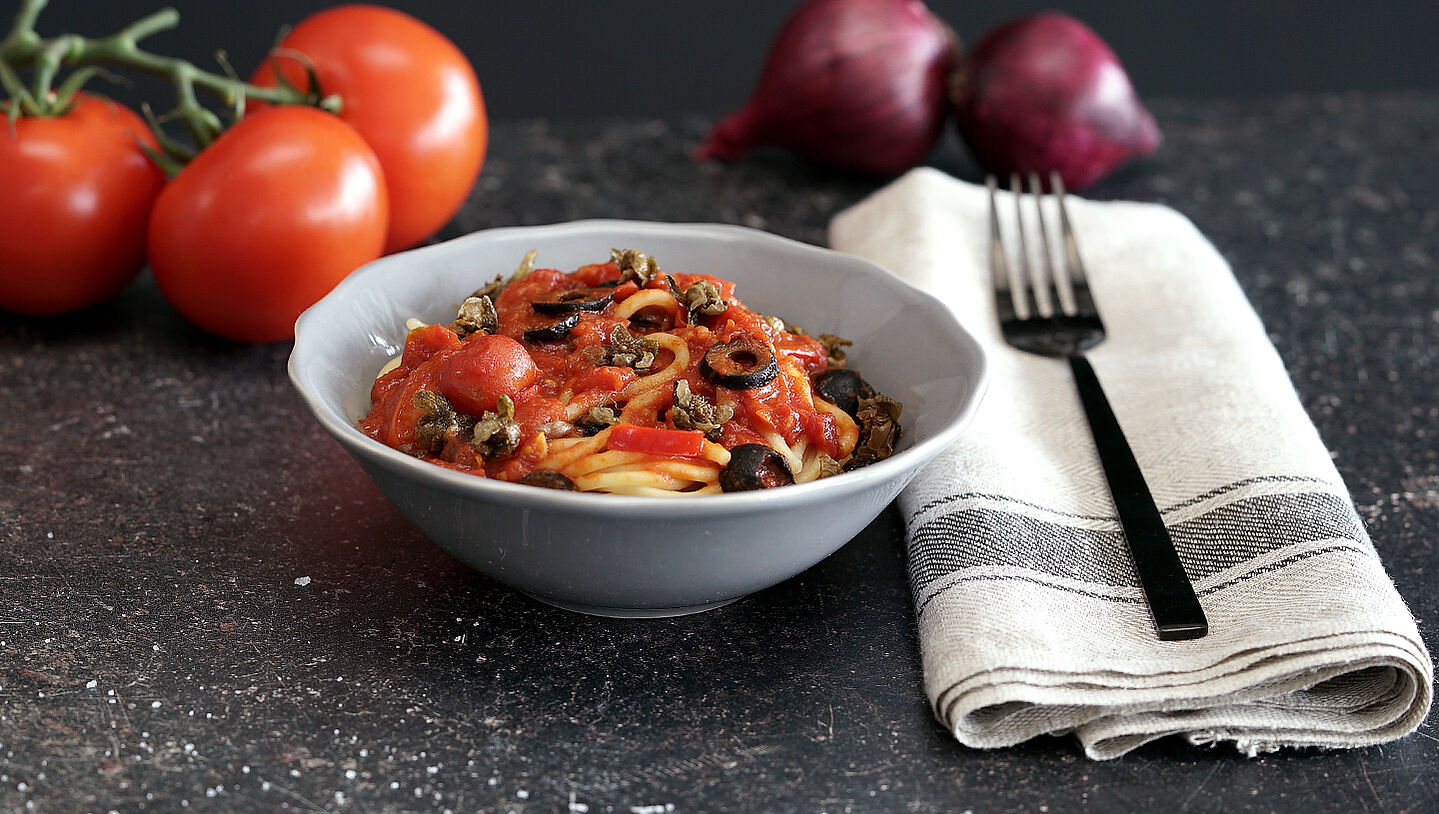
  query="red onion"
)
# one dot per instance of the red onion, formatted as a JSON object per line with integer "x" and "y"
{"x": 859, "y": 84}
{"x": 1045, "y": 93}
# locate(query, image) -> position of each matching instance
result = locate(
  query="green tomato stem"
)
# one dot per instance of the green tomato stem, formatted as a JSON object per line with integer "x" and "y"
{"x": 20, "y": 102}
{"x": 24, "y": 29}
{"x": 22, "y": 48}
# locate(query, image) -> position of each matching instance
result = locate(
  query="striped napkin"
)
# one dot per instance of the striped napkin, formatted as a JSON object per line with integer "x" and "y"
{"x": 1030, "y": 616}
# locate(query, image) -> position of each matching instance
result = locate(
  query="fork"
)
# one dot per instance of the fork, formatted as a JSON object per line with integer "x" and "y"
{"x": 1062, "y": 321}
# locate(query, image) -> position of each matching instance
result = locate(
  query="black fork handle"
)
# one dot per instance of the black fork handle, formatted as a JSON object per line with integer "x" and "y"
{"x": 1176, "y": 610}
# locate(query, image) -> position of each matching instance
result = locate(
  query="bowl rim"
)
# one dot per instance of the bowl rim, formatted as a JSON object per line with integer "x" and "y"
{"x": 306, "y": 353}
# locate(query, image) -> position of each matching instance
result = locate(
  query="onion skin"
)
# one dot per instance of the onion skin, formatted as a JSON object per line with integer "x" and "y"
{"x": 1044, "y": 93}
{"x": 856, "y": 84}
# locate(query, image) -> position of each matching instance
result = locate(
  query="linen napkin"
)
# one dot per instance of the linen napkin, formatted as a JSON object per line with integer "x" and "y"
{"x": 1030, "y": 616}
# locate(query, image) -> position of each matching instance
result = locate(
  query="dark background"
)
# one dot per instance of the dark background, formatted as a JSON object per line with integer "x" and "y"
{"x": 632, "y": 58}
{"x": 156, "y": 587}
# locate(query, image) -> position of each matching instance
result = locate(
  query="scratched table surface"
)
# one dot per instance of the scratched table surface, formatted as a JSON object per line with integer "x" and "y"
{"x": 205, "y": 605}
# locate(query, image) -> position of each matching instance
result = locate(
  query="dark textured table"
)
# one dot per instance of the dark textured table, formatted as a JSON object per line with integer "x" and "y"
{"x": 205, "y": 605}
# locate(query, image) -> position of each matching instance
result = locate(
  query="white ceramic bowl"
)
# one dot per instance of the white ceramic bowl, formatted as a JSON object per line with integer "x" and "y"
{"x": 640, "y": 556}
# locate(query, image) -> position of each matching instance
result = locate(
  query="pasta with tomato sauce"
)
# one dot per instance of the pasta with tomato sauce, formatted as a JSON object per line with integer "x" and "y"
{"x": 618, "y": 377}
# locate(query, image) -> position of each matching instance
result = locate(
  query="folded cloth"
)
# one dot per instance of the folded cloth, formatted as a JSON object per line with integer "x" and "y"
{"x": 1030, "y": 616}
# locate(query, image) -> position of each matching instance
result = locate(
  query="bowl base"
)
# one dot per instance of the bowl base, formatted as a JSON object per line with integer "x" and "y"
{"x": 631, "y": 613}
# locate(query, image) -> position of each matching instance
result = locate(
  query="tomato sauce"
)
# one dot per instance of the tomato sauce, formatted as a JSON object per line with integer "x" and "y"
{"x": 566, "y": 370}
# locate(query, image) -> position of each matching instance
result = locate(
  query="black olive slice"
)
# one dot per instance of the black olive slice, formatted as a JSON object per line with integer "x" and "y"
{"x": 842, "y": 388}
{"x": 577, "y": 299}
{"x": 549, "y": 479}
{"x": 752, "y": 466}
{"x": 653, "y": 318}
{"x": 858, "y": 462}
{"x": 555, "y": 330}
{"x": 743, "y": 363}
{"x": 589, "y": 428}
{"x": 594, "y": 422}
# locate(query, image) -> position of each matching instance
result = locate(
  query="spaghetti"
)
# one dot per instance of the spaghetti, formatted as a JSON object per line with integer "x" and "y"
{"x": 620, "y": 378}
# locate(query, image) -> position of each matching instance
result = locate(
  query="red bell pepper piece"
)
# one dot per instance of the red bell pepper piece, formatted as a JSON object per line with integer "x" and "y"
{"x": 657, "y": 441}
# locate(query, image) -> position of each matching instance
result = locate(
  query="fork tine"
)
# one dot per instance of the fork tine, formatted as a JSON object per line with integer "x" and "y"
{"x": 1077, "y": 279}
{"x": 1029, "y": 283}
{"x": 1035, "y": 275}
{"x": 1009, "y": 307}
{"x": 1051, "y": 286}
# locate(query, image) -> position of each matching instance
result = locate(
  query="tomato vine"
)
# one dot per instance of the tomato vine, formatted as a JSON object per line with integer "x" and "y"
{"x": 23, "y": 48}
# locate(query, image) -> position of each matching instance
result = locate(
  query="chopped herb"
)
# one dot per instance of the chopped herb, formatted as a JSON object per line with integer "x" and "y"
{"x": 477, "y": 315}
{"x": 691, "y": 411}
{"x": 635, "y": 265}
{"x": 702, "y": 299}
{"x": 834, "y": 346}
{"x": 496, "y": 433}
{"x": 879, "y": 430}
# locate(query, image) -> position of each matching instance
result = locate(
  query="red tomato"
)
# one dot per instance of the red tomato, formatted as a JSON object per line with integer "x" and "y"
{"x": 75, "y": 195}
{"x": 533, "y": 408}
{"x": 426, "y": 341}
{"x": 420, "y": 345}
{"x": 485, "y": 367}
{"x": 606, "y": 378}
{"x": 266, "y": 220}
{"x": 412, "y": 95}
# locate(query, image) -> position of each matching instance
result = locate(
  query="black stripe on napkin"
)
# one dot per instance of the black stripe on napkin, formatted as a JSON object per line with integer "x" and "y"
{"x": 961, "y": 578}
{"x": 1219, "y": 539}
